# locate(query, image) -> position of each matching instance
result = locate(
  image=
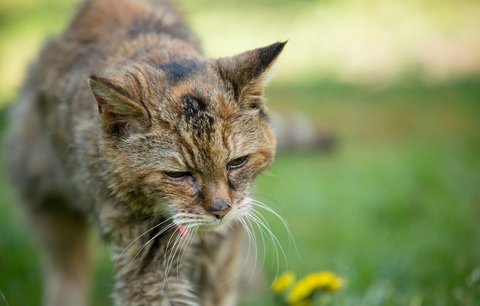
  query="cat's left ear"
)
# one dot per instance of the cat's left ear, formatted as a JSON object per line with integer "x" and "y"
{"x": 248, "y": 72}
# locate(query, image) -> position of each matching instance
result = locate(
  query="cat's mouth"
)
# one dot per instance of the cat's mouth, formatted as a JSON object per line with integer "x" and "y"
{"x": 189, "y": 223}
{"x": 186, "y": 229}
{"x": 185, "y": 232}
{"x": 213, "y": 225}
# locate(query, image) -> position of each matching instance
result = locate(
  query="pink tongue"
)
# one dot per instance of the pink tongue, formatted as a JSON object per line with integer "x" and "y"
{"x": 183, "y": 231}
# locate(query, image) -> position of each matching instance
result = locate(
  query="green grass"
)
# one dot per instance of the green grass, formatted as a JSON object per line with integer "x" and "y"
{"x": 394, "y": 209}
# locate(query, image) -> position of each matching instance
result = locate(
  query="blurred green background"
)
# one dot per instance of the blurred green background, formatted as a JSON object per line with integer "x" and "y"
{"x": 394, "y": 209}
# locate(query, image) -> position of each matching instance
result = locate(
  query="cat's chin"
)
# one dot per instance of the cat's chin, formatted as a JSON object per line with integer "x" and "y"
{"x": 215, "y": 225}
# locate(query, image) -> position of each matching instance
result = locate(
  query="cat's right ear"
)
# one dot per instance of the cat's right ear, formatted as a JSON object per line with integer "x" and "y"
{"x": 247, "y": 72}
{"x": 119, "y": 113}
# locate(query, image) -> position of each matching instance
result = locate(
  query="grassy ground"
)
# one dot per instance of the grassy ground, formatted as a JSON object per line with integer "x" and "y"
{"x": 394, "y": 209}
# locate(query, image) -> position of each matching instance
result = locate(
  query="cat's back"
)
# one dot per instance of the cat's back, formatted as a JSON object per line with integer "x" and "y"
{"x": 109, "y": 33}
{"x": 124, "y": 20}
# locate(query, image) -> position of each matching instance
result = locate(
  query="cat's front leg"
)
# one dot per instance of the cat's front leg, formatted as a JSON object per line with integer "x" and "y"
{"x": 151, "y": 268}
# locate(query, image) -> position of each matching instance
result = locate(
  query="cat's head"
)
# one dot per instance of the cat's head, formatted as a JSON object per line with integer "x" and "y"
{"x": 185, "y": 139}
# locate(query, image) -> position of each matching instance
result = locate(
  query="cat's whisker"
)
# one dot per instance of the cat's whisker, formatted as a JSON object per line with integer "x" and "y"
{"x": 262, "y": 236}
{"x": 251, "y": 244}
{"x": 174, "y": 252}
{"x": 178, "y": 249}
{"x": 244, "y": 210}
{"x": 189, "y": 240}
{"x": 269, "y": 209}
{"x": 264, "y": 228}
{"x": 180, "y": 241}
{"x": 291, "y": 238}
{"x": 150, "y": 240}
{"x": 134, "y": 240}
{"x": 251, "y": 236}
{"x": 254, "y": 241}
{"x": 166, "y": 257}
{"x": 247, "y": 209}
{"x": 179, "y": 221}
{"x": 184, "y": 218}
{"x": 274, "y": 213}
{"x": 262, "y": 223}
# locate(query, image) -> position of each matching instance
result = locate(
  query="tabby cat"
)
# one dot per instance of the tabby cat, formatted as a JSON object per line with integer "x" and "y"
{"x": 124, "y": 124}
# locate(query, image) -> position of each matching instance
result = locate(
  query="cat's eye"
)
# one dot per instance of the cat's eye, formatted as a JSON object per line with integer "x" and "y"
{"x": 237, "y": 162}
{"x": 177, "y": 175}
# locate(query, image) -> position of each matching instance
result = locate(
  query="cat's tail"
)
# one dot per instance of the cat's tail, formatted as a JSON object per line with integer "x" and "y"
{"x": 297, "y": 133}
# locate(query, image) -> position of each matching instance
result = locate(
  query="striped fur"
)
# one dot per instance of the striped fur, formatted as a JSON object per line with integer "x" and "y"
{"x": 124, "y": 124}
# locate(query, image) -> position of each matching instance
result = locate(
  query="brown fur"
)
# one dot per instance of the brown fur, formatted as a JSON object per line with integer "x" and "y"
{"x": 113, "y": 110}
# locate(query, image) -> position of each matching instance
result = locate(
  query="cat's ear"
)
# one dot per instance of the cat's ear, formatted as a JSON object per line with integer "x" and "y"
{"x": 247, "y": 72}
{"x": 118, "y": 111}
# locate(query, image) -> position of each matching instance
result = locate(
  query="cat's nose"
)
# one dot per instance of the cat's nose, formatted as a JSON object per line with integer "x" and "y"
{"x": 219, "y": 208}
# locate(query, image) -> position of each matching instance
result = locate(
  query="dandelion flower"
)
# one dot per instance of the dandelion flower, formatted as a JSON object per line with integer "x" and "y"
{"x": 308, "y": 286}
{"x": 283, "y": 282}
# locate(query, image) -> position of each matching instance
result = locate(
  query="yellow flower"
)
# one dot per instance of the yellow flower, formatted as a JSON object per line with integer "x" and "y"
{"x": 306, "y": 287}
{"x": 283, "y": 282}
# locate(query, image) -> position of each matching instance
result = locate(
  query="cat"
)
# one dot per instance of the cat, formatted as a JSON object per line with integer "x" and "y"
{"x": 123, "y": 124}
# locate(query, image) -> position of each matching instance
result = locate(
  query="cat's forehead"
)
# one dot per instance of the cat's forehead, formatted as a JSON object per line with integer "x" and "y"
{"x": 178, "y": 71}
{"x": 200, "y": 109}
{"x": 199, "y": 117}
{"x": 195, "y": 92}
